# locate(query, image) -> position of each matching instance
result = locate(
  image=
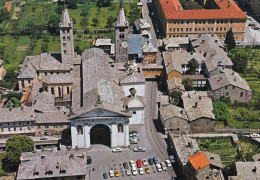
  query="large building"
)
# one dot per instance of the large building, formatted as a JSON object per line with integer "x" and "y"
{"x": 210, "y": 16}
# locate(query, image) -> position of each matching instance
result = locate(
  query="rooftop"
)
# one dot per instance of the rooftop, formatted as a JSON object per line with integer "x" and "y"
{"x": 175, "y": 83}
{"x": 247, "y": 170}
{"x": 58, "y": 79}
{"x": 175, "y": 42}
{"x": 227, "y": 10}
{"x": 199, "y": 161}
{"x": 103, "y": 42}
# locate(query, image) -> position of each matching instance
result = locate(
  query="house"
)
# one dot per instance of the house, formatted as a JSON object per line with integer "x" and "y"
{"x": 141, "y": 25}
{"x": 175, "y": 84}
{"x": 56, "y": 165}
{"x": 246, "y": 170}
{"x": 230, "y": 84}
{"x": 176, "y": 44}
{"x": 107, "y": 45}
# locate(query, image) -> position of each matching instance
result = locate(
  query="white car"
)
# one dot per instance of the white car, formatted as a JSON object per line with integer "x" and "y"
{"x": 254, "y": 135}
{"x": 145, "y": 162}
{"x": 111, "y": 173}
{"x": 127, "y": 172}
{"x": 134, "y": 171}
{"x": 141, "y": 171}
{"x": 168, "y": 163}
{"x": 159, "y": 167}
{"x": 114, "y": 150}
{"x": 132, "y": 163}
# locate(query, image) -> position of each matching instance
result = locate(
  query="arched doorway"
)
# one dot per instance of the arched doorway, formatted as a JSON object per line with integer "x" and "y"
{"x": 100, "y": 134}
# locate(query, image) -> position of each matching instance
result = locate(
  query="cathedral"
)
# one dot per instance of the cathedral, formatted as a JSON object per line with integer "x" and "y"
{"x": 103, "y": 95}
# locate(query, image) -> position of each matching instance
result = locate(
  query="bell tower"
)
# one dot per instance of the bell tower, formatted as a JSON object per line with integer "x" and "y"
{"x": 66, "y": 38}
{"x": 121, "y": 36}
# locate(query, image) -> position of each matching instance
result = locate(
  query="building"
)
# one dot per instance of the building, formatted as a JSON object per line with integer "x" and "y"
{"x": 176, "y": 44}
{"x": 230, "y": 84}
{"x": 101, "y": 119}
{"x": 67, "y": 165}
{"x": 213, "y": 16}
{"x": 246, "y": 170}
{"x": 141, "y": 25}
{"x": 107, "y": 45}
{"x": 121, "y": 36}
{"x": 2, "y": 71}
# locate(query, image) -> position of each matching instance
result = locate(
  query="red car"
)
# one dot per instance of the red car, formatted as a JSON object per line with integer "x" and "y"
{"x": 139, "y": 163}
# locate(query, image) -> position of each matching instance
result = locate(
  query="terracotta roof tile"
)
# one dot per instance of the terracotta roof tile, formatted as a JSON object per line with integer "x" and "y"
{"x": 228, "y": 10}
{"x": 199, "y": 161}
{"x": 8, "y": 6}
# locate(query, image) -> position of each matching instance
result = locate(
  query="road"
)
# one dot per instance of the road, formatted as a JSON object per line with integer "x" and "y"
{"x": 157, "y": 142}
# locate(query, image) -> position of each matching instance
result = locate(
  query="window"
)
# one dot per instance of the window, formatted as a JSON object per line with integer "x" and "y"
{"x": 52, "y": 90}
{"x": 217, "y": 93}
{"x": 2, "y": 129}
{"x": 80, "y": 129}
{"x": 120, "y": 128}
{"x": 204, "y": 22}
{"x": 227, "y": 94}
{"x": 68, "y": 38}
{"x": 13, "y": 123}
{"x": 211, "y": 29}
{"x": 68, "y": 90}
{"x": 195, "y": 29}
{"x": 8, "y": 123}
{"x": 225, "y": 29}
{"x": 187, "y": 29}
{"x": 221, "y": 21}
{"x": 55, "y": 126}
{"x": 64, "y": 44}
{"x": 23, "y": 83}
{"x": 182, "y": 22}
{"x": 121, "y": 30}
{"x": 0, "y": 124}
{"x": 29, "y": 81}
{"x": 199, "y": 29}
{"x": 61, "y": 126}
{"x": 226, "y": 87}
{"x": 217, "y": 21}
{"x": 174, "y": 22}
{"x": 59, "y": 90}
{"x": 27, "y": 122}
{"x": 196, "y": 22}
{"x": 190, "y": 29}
{"x": 173, "y": 29}
{"x": 170, "y": 36}
{"x": 181, "y": 29}
{"x": 9, "y": 129}
{"x": 39, "y": 127}
{"x": 203, "y": 29}
{"x": 121, "y": 35}
{"x": 46, "y": 127}
{"x": 45, "y": 73}
{"x": 220, "y": 29}
{"x": 241, "y": 94}
{"x": 231, "y": 21}
{"x": 21, "y": 128}
{"x": 29, "y": 128}
{"x": 178, "y": 29}
{"x": 64, "y": 39}
{"x": 234, "y": 87}
{"x": 188, "y": 22}
{"x": 14, "y": 128}
{"x": 216, "y": 29}
{"x": 170, "y": 29}
{"x": 64, "y": 52}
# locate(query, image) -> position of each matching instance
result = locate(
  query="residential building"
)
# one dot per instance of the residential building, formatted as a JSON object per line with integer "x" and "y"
{"x": 107, "y": 45}
{"x": 230, "y": 84}
{"x": 213, "y": 16}
{"x": 141, "y": 25}
{"x": 2, "y": 71}
{"x": 175, "y": 84}
{"x": 246, "y": 170}
{"x": 67, "y": 165}
{"x": 176, "y": 44}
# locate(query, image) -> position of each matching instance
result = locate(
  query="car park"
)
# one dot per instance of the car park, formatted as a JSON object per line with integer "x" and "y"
{"x": 127, "y": 172}
{"x": 125, "y": 164}
{"x": 147, "y": 170}
{"x": 156, "y": 160}
{"x": 139, "y": 163}
{"x": 141, "y": 171}
{"x": 115, "y": 150}
{"x": 145, "y": 162}
{"x": 132, "y": 163}
{"x": 172, "y": 159}
{"x": 150, "y": 161}
{"x": 134, "y": 171}
{"x": 159, "y": 167}
{"x": 111, "y": 173}
{"x": 116, "y": 173}
{"x": 105, "y": 176}
{"x": 168, "y": 163}
{"x": 164, "y": 167}
{"x": 139, "y": 149}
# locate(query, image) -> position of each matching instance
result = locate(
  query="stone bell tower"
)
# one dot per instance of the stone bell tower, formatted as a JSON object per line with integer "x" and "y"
{"x": 66, "y": 38}
{"x": 121, "y": 36}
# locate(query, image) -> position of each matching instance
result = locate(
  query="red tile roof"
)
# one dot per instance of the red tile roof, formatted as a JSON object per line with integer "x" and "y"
{"x": 228, "y": 10}
{"x": 199, "y": 161}
{"x": 8, "y": 6}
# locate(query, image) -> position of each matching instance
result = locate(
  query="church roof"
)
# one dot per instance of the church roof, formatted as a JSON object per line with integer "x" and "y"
{"x": 66, "y": 21}
{"x": 121, "y": 20}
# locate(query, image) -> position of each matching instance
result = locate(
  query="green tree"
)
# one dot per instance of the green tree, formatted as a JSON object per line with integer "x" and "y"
{"x": 193, "y": 65}
{"x": 14, "y": 101}
{"x": 84, "y": 22}
{"x": 10, "y": 79}
{"x": 78, "y": 49}
{"x": 44, "y": 47}
{"x": 240, "y": 58}
{"x": 4, "y": 14}
{"x": 176, "y": 95}
{"x": 72, "y": 3}
{"x": 15, "y": 145}
{"x": 110, "y": 22}
{"x": 95, "y": 21}
{"x": 187, "y": 84}
{"x": 103, "y": 3}
{"x": 222, "y": 112}
{"x": 226, "y": 100}
{"x": 230, "y": 40}
{"x": 53, "y": 24}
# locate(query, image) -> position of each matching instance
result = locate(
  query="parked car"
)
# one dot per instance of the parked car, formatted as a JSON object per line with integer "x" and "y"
{"x": 156, "y": 160}
{"x": 125, "y": 164}
{"x": 127, "y": 172}
{"x": 255, "y": 135}
{"x": 105, "y": 176}
{"x": 172, "y": 159}
{"x": 133, "y": 141}
{"x": 141, "y": 171}
{"x": 111, "y": 173}
{"x": 168, "y": 163}
{"x": 115, "y": 150}
{"x": 150, "y": 160}
{"x": 132, "y": 163}
{"x": 139, "y": 149}
{"x": 145, "y": 162}
{"x": 164, "y": 167}
{"x": 116, "y": 173}
{"x": 134, "y": 171}
{"x": 159, "y": 167}
{"x": 139, "y": 163}
{"x": 147, "y": 170}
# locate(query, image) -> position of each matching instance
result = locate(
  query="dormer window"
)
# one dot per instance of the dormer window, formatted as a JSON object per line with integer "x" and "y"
{"x": 36, "y": 173}
{"x": 49, "y": 172}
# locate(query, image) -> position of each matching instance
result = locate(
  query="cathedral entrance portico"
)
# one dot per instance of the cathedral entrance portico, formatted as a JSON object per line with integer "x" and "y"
{"x": 100, "y": 134}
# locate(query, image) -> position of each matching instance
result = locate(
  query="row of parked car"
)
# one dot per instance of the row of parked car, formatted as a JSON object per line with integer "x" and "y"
{"x": 141, "y": 166}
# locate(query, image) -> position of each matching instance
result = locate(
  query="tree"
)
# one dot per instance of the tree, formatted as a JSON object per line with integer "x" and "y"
{"x": 4, "y": 14}
{"x": 44, "y": 47}
{"x": 110, "y": 22}
{"x": 72, "y": 4}
{"x": 53, "y": 24}
{"x": 230, "y": 41}
{"x": 187, "y": 84}
{"x": 14, "y": 101}
{"x": 193, "y": 65}
{"x": 222, "y": 112}
{"x": 176, "y": 95}
{"x": 15, "y": 145}
{"x": 78, "y": 50}
{"x": 240, "y": 58}
{"x": 95, "y": 21}
{"x": 103, "y": 3}
{"x": 84, "y": 22}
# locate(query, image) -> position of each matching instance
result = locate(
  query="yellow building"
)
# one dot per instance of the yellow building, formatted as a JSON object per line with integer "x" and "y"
{"x": 215, "y": 16}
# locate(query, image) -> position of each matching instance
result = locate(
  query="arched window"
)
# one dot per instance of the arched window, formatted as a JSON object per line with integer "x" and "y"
{"x": 80, "y": 129}
{"x": 120, "y": 128}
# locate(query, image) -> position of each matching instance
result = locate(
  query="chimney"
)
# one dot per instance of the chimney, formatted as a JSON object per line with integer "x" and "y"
{"x": 205, "y": 54}
{"x": 58, "y": 165}
{"x": 216, "y": 41}
{"x": 71, "y": 156}
{"x": 202, "y": 42}
{"x": 254, "y": 169}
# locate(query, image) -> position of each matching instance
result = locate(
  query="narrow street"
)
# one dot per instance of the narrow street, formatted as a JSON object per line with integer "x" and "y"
{"x": 158, "y": 143}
